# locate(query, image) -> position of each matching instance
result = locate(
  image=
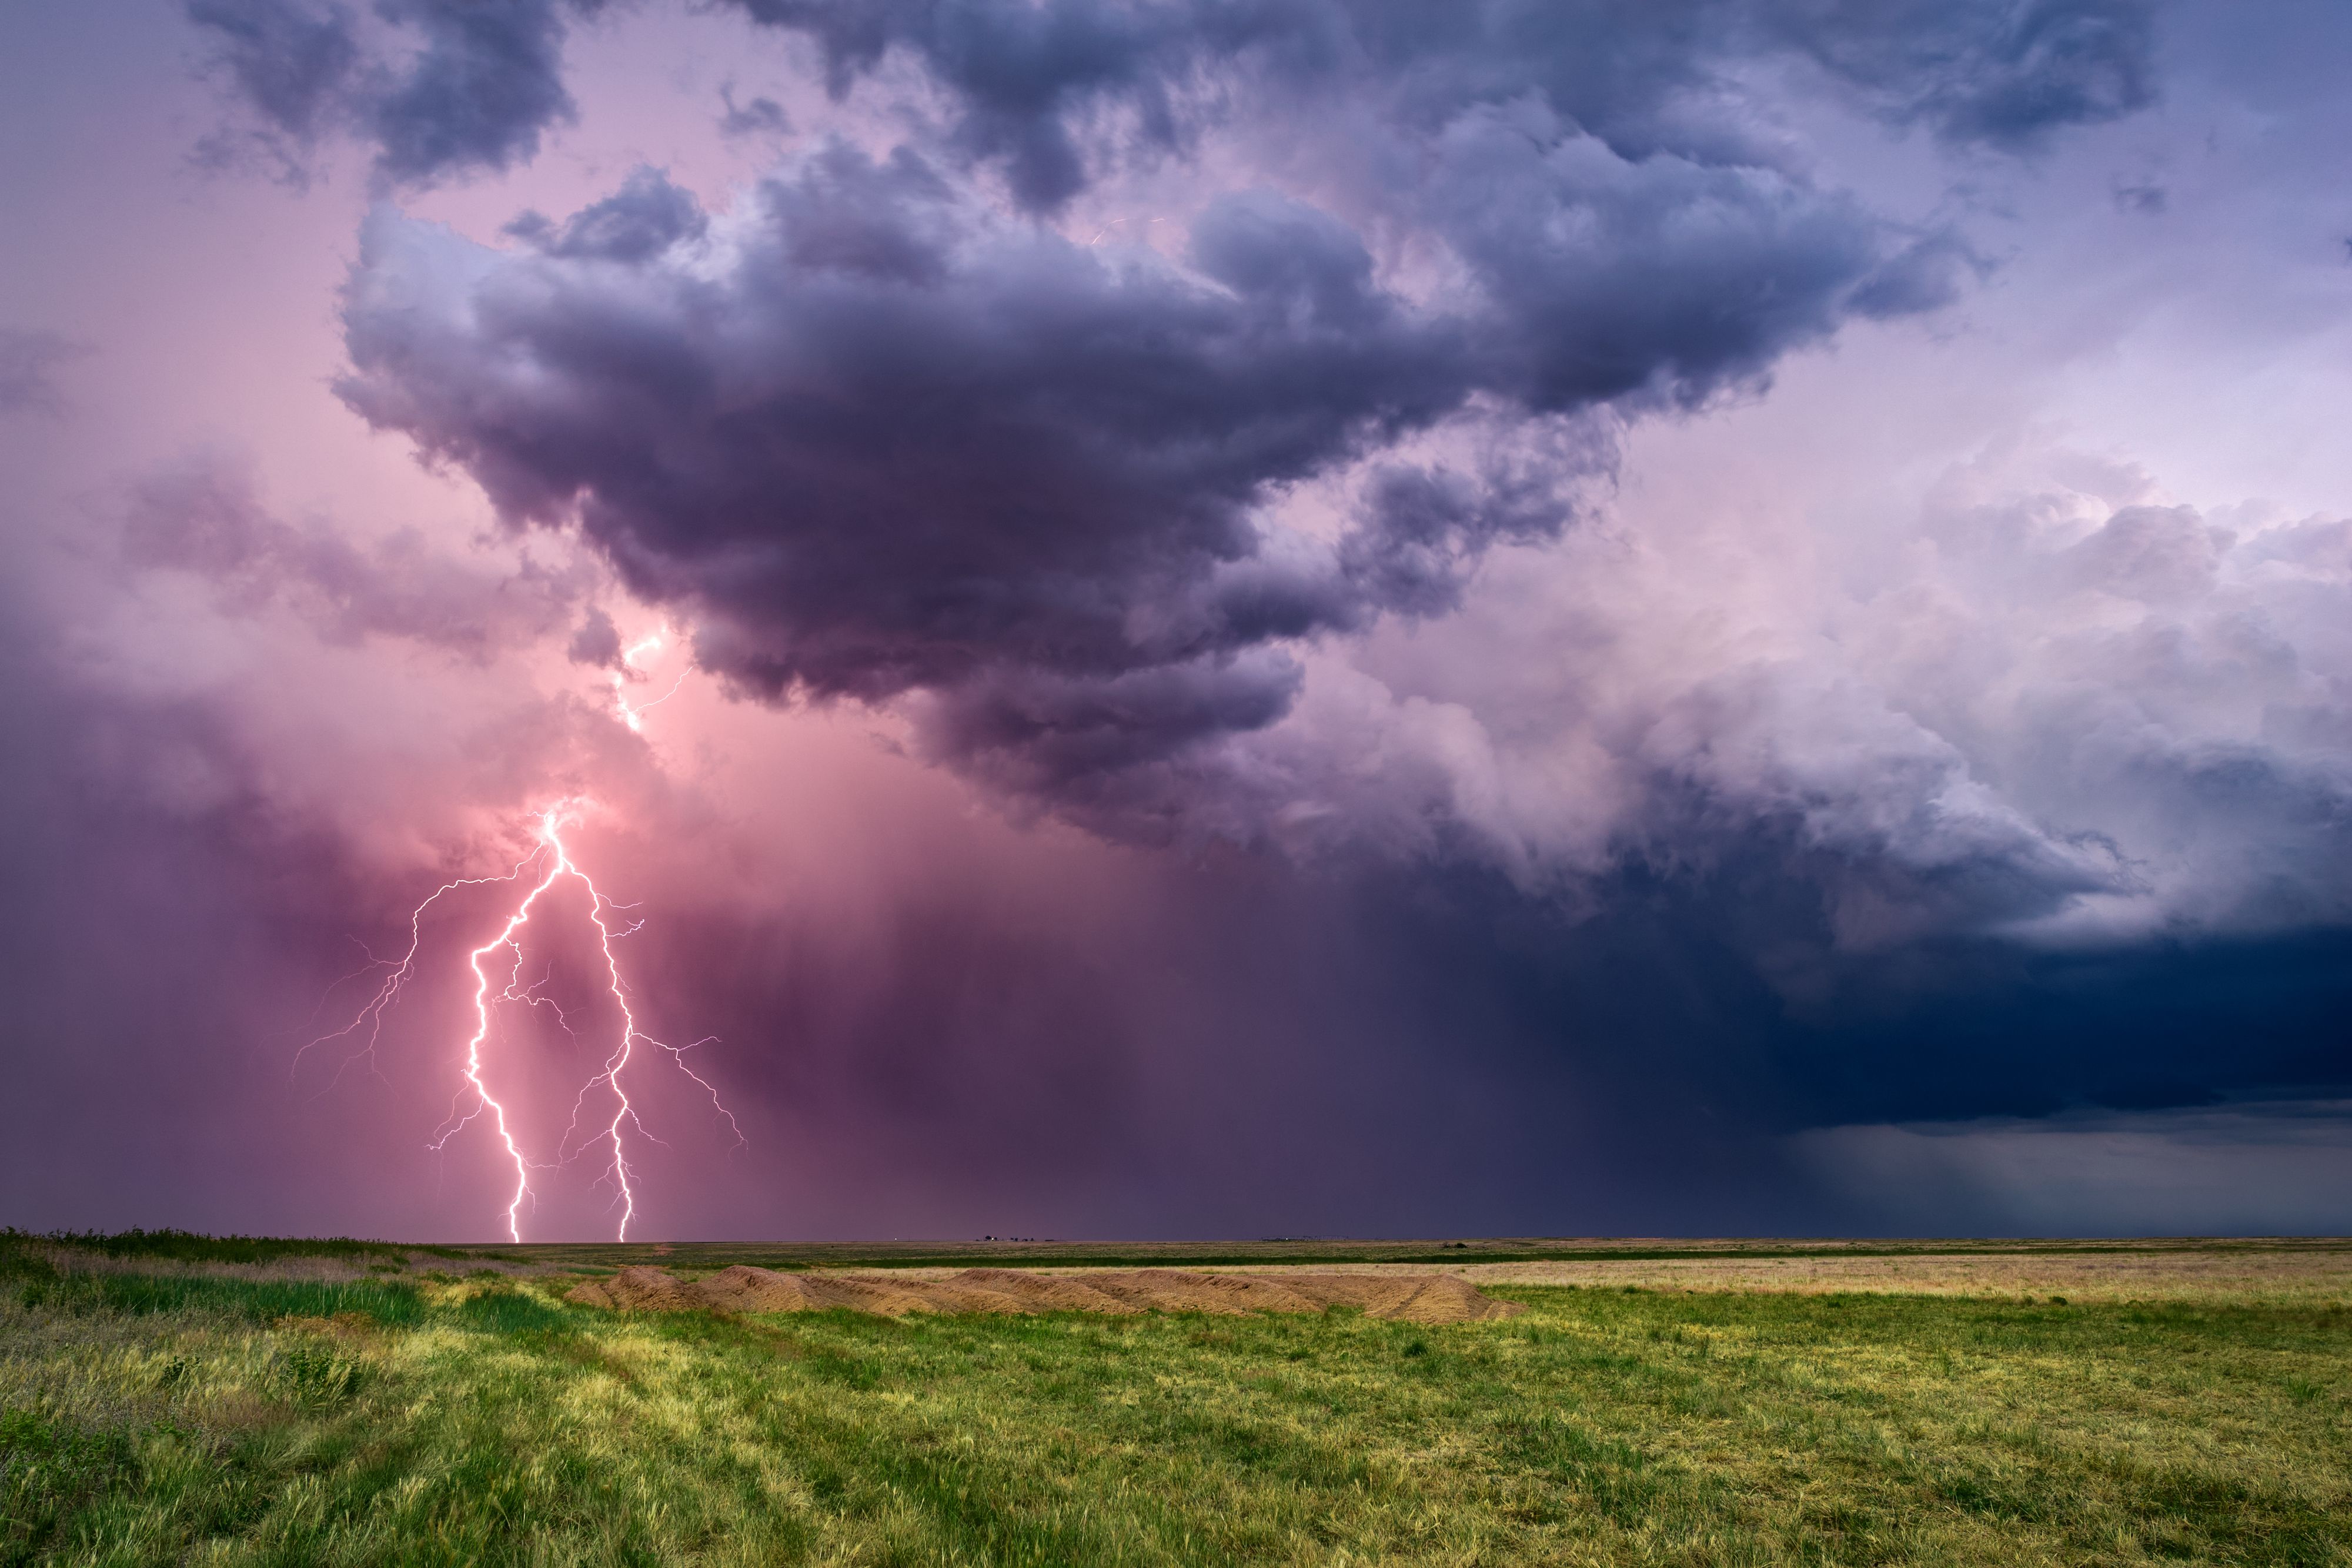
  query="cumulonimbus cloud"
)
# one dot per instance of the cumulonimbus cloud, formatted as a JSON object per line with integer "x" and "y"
{"x": 888, "y": 429}
{"x": 881, "y": 432}
{"x": 878, "y": 435}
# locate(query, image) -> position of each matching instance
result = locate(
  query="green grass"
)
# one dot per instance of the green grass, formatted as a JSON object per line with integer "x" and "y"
{"x": 465, "y": 1420}
{"x": 188, "y": 1247}
{"x": 40, "y": 1286}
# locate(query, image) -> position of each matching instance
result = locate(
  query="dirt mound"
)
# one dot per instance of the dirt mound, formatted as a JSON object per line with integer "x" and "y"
{"x": 1408, "y": 1298}
{"x": 958, "y": 1295}
{"x": 870, "y": 1293}
{"x": 743, "y": 1289}
{"x": 1182, "y": 1291}
{"x": 638, "y": 1289}
{"x": 1451, "y": 1299}
{"x": 1046, "y": 1292}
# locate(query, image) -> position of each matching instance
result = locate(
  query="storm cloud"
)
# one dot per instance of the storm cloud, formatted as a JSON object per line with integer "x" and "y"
{"x": 1099, "y": 515}
{"x": 1193, "y": 618}
{"x": 880, "y": 433}
{"x": 877, "y": 436}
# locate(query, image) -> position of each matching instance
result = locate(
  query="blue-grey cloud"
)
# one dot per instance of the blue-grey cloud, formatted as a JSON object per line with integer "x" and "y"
{"x": 291, "y": 62}
{"x": 877, "y": 437}
{"x": 437, "y": 87}
{"x": 1080, "y": 564}
{"x": 646, "y": 216}
{"x": 1044, "y": 91}
{"x": 1033, "y": 82}
{"x": 486, "y": 83}
{"x": 2002, "y": 73}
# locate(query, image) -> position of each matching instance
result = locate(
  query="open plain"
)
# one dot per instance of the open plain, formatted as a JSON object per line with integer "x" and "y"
{"x": 166, "y": 1398}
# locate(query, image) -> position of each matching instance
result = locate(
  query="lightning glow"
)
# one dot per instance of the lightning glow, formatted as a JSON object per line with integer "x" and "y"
{"x": 635, "y": 716}
{"x": 551, "y": 862}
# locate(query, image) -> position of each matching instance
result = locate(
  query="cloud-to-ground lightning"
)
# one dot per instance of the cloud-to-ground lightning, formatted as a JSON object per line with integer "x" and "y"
{"x": 550, "y": 859}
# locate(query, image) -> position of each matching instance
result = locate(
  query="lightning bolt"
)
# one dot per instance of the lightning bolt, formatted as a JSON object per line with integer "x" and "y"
{"x": 551, "y": 862}
{"x": 635, "y": 716}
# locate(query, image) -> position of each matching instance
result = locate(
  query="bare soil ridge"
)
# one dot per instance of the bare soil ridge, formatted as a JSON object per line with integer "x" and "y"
{"x": 1420, "y": 1298}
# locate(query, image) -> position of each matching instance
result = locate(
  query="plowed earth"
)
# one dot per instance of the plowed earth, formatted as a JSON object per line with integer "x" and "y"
{"x": 1420, "y": 1299}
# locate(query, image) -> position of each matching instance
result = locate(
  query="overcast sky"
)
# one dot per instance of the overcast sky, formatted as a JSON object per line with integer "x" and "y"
{"x": 1202, "y": 617}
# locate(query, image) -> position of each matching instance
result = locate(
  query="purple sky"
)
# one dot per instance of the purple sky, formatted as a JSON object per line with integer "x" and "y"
{"x": 1280, "y": 616}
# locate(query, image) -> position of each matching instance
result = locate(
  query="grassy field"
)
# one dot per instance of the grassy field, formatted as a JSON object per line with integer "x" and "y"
{"x": 173, "y": 1400}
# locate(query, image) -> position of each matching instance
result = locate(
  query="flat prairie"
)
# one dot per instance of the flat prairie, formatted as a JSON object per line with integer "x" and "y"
{"x": 166, "y": 1398}
{"x": 2284, "y": 1274}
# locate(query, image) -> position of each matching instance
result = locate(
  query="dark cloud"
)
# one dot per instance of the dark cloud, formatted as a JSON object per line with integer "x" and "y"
{"x": 645, "y": 217}
{"x": 899, "y": 444}
{"x": 488, "y": 80}
{"x": 449, "y": 87}
{"x": 1424, "y": 526}
{"x": 1663, "y": 276}
{"x": 878, "y": 437}
{"x": 1021, "y": 73}
{"x": 439, "y": 88}
{"x": 904, "y": 445}
{"x": 1033, "y": 83}
{"x": 2131, "y": 1027}
{"x": 2002, "y": 73}
{"x": 29, "y": 365}
{"x": 293, "y": 64}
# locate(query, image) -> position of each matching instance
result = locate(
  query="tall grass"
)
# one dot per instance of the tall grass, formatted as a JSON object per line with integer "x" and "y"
{"x": 38, "y": 1283}
{"x": 189, "y": 1247}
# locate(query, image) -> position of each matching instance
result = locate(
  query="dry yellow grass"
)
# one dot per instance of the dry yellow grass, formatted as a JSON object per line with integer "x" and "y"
{"x": 2298, "y": 1274}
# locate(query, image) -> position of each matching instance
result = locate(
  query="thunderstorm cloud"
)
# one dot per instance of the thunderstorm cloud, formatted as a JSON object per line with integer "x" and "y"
{"x": 1276, "y": 615}
{"x": 879, "y": 437}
